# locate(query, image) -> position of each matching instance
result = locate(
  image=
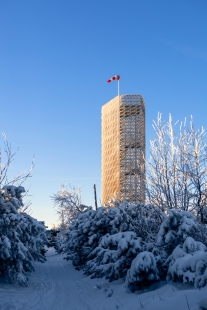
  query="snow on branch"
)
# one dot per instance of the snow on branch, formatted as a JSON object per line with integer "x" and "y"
{"x": 68, "y": 203}
{"x": 177, "y": 169}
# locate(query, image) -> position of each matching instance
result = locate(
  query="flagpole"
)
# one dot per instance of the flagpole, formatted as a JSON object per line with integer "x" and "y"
{"x": 118, "y": 87}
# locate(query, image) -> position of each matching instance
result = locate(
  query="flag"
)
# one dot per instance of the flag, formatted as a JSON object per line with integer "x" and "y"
{"x": 116, "y": 77}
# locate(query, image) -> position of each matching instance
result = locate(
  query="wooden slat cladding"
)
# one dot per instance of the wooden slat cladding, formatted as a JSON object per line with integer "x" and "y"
{"x": 110, "y": 149}
{"x": 132, "y": 148}
{"x": 123, "y": 149}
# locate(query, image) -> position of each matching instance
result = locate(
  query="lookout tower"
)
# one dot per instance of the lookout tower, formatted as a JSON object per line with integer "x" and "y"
{"x": 123, "y": 149}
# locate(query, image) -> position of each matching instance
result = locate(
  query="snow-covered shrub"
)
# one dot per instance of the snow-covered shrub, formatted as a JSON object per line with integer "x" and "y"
{"x": 147, "y": 223}
{"x": 143, "y": 271}
{"x": 51, "y": 236}
{"x": 54, "y": 237}
{"x": 191, "y": 246}
{"x": 22, "y": 238}
{"x": 176, "y": 226}
{"x": 85, "y": 233}
{"x": 188, "y": 263}
{"x": 59, "y": 241}
{"x": 113, "y": 256}
{"x": 105, "y": 242}
{"x": 203, "y": 303}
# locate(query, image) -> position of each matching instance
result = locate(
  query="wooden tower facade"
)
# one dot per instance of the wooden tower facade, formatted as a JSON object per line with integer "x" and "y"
{"x": 123, "y": 149}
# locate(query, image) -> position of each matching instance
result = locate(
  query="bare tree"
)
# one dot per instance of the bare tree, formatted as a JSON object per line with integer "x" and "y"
{"x": 18, "y": 180}
{"x": 68, "y": 203}
{"x": 197, "y": 170}
{"x": 4, "y": 167}
{"x": 177, "y": 169}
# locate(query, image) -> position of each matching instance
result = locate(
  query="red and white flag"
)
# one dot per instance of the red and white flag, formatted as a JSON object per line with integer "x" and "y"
{"x": 116, "y": 77}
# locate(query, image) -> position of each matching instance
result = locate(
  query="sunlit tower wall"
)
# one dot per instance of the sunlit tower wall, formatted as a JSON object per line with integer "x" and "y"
{"x": 123, "y": 149}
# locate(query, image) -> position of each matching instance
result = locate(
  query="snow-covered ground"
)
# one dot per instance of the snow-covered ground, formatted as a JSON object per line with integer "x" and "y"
{"x": 56, "y": 285}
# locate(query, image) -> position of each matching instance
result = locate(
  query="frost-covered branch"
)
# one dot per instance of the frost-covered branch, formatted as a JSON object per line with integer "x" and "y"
{"x": 68, "y": 204}
{"x": 4, "y": 167}
{"x": 177, "y": 169}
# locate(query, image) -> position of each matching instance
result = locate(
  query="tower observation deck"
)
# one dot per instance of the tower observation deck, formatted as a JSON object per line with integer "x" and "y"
{"x": 123, "y": 149}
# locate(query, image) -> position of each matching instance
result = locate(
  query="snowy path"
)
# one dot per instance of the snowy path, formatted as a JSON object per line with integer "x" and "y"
{"x": 51, "y": 286}
{"x": 56, "y": 285}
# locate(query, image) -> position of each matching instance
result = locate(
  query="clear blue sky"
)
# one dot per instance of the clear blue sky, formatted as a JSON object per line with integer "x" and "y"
{"x": 55, "y": 59}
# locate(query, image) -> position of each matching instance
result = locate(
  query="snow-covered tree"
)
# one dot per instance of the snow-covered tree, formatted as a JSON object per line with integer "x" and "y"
{"x": 177, "y": 226}
{"x": 113, "y": 256}
{"x": 51, "y": 236}
{"x": 6, "y": 158}
{"x": 85, "y": 234}
{"x": 115, "y": 251}
{"x": 138, "y": 242}
{"x": 143, "y": 272}
{"x": 69, "y": 205}
{"x": 22, "y": 238}
{"x": 188, "y": 263}
{"x": 177, "y": 169}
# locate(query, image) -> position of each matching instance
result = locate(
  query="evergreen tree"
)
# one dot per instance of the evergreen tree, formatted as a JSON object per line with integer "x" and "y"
{"x": 22, "y": 238}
